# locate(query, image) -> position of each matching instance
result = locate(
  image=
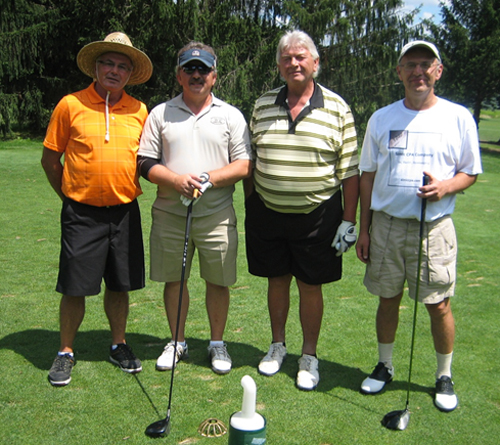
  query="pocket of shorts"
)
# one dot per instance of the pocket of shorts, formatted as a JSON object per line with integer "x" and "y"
{"x": 442, "y": 261}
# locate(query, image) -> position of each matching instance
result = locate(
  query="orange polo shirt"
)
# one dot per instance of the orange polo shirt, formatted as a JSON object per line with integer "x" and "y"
{"x": 97, "y": 172}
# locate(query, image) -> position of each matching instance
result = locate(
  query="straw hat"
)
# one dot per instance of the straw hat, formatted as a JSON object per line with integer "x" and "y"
{"x": 116, "y": 42}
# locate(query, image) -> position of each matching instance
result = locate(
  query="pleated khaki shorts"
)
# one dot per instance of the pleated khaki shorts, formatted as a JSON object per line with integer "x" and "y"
{"x": 214, "y": 237}
{"x": 394, "y": 246}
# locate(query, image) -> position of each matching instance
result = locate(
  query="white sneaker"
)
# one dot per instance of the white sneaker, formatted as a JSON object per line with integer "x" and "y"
{"x": 221, "y": 361}
{"x": 271, "y": 363}
{"x": 165, "y": 360}
{"x": 308, "y": 375}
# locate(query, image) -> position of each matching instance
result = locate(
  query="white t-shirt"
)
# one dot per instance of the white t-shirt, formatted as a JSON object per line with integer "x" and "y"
{"x": 400, "y": 144}
{"x": 189, "y": 143}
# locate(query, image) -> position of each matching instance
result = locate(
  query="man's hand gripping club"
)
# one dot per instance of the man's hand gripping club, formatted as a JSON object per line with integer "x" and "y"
{"x": 198, "y": 193}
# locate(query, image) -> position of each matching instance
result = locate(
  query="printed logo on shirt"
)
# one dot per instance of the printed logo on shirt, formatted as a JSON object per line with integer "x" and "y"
{"x": 398, "y": 139}
{"x": 217, "y": 120}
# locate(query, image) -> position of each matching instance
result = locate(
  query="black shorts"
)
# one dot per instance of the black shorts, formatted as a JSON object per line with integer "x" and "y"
{"x": 97, "y": 243}
{"x": 300, "y": 244}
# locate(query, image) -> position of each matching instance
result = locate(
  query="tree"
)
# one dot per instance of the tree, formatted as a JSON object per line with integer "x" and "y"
{"x": 469, "y": 40}
{"x": 359, "y": 42}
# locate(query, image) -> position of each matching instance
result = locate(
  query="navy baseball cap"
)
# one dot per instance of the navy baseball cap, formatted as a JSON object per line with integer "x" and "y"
{"x": 197, "y": 54}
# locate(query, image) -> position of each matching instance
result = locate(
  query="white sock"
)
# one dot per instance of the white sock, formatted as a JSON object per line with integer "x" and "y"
{"x": 443, "y": 364}
{"x": 71, "y": 354}
{"x": 385, "y": 353}
{"x": 213, "y": 344}
{"x": 182, "y": 343}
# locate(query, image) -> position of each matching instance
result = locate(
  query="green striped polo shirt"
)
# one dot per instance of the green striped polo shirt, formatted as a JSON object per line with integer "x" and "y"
{"x": 300, "y": 164}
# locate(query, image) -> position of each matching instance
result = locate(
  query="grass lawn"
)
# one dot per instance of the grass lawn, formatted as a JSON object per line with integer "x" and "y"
{"x": 103, "y": 405}
{"x": 489, "y": 130}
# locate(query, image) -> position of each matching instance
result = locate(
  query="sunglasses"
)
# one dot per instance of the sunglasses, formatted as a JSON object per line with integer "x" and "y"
{"x": 202, "y": 69}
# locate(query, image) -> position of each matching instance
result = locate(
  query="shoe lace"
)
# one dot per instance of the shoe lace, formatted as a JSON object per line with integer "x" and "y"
{"x": 63, "y": 363}
{"x": 170, "y": 348}
{"x": 125, "y": 352}
{"x": 306, "y": 363}
{"x": 276, "y": 351}
{"x": 220, "y": 353}
{"x": 444, "y": 386}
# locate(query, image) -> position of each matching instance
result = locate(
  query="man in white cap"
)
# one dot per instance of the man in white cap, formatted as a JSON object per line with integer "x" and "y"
{"x": 195, "y": 142}
{"x": 419, "y": 135}
{"x": 98, "y": 131}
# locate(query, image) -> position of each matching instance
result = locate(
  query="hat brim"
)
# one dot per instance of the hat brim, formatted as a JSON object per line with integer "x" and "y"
{"x": 143, "y": 68}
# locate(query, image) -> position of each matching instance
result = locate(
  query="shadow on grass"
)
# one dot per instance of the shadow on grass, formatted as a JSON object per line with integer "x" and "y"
{"x": 39, "y": 347}
{"x": 332, "y": 374}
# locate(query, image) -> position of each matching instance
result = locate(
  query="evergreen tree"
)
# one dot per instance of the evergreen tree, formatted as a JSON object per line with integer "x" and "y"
{"x": 469, "y": 41}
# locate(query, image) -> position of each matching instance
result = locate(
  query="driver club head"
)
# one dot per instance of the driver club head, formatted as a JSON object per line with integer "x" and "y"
{"x": 396, "y": 420}
{"x": 161, "y": 428}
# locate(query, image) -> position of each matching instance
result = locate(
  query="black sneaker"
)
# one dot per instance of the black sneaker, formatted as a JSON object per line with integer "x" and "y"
{"x": 445, "y": 398}
{"x": 380, "y": 376}
{"x": 125, "y": 359}
{"x": 60, "y": 372}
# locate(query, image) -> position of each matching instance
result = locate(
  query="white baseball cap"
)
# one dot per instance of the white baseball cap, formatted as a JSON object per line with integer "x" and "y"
{"x": 419, "y": 44}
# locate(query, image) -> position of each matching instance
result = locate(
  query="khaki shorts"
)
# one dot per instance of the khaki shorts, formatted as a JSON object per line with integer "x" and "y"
{"x": 214, "y": 236}
{"x": 394, "y": 245}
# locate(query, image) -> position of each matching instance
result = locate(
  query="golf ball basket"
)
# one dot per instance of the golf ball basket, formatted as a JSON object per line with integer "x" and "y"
{"x": 212, "y": 427}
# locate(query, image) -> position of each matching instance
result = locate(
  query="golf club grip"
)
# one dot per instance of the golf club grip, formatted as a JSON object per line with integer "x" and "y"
{"x": 196, "y": 193}
{"x": 425, "y": 181}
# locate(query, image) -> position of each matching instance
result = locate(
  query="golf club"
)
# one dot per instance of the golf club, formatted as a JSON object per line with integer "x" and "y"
{"x": 398, "y": 420}
{"x": 161, "y": 428}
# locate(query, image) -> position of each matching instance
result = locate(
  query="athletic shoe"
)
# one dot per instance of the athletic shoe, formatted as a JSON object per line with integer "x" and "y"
{"x": 308, "y": 375}
{"x": 123, "y": 357}
{"x": 165, "y": 360}
{"x": 380, "y": 376}
{"x": 221, "y": 361}
{"x": 60, "y": 372}
{"x": 445, "y": 398}
{"x": 271, "y": 363}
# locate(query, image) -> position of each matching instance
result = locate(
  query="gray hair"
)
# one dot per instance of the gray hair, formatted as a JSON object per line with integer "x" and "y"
{"x": 297, "y": 39}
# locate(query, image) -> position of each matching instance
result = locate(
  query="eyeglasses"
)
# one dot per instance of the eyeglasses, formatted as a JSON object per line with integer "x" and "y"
{"x": 121, "y": 67}
{"x": 411, "y": 66}
{"x": 202, "y": 69}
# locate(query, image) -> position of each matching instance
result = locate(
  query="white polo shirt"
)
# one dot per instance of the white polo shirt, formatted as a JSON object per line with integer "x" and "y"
{"x": 189, "y": 143}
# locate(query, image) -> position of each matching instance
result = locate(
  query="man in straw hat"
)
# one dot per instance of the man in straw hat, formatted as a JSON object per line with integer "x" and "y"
{"x": 195, "y": 142}
{"x": 98, "y": 131}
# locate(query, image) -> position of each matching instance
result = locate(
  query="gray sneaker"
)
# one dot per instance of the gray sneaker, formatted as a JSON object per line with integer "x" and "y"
{"x": 221, "y": 361}
{"x": 271, "y": 363}
{"x": 308, "y": 375}
{"x": 60, "y": 372}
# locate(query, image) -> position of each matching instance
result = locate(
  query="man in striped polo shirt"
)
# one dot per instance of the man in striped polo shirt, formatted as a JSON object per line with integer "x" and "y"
{"x": 301, "y": 201}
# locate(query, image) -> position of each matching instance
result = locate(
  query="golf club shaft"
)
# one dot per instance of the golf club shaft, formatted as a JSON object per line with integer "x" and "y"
{"x": 179, "y": 309}
{"x": 417, "y": 286}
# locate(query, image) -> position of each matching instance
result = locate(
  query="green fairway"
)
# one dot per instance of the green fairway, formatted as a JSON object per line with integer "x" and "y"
{"x": 489, "y": 130}
{"x": 103, "y": 405}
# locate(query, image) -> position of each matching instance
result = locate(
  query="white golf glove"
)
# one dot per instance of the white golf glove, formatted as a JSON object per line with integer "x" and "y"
{"x": 345, "y": 237}
{"x": 205, "y": 185}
